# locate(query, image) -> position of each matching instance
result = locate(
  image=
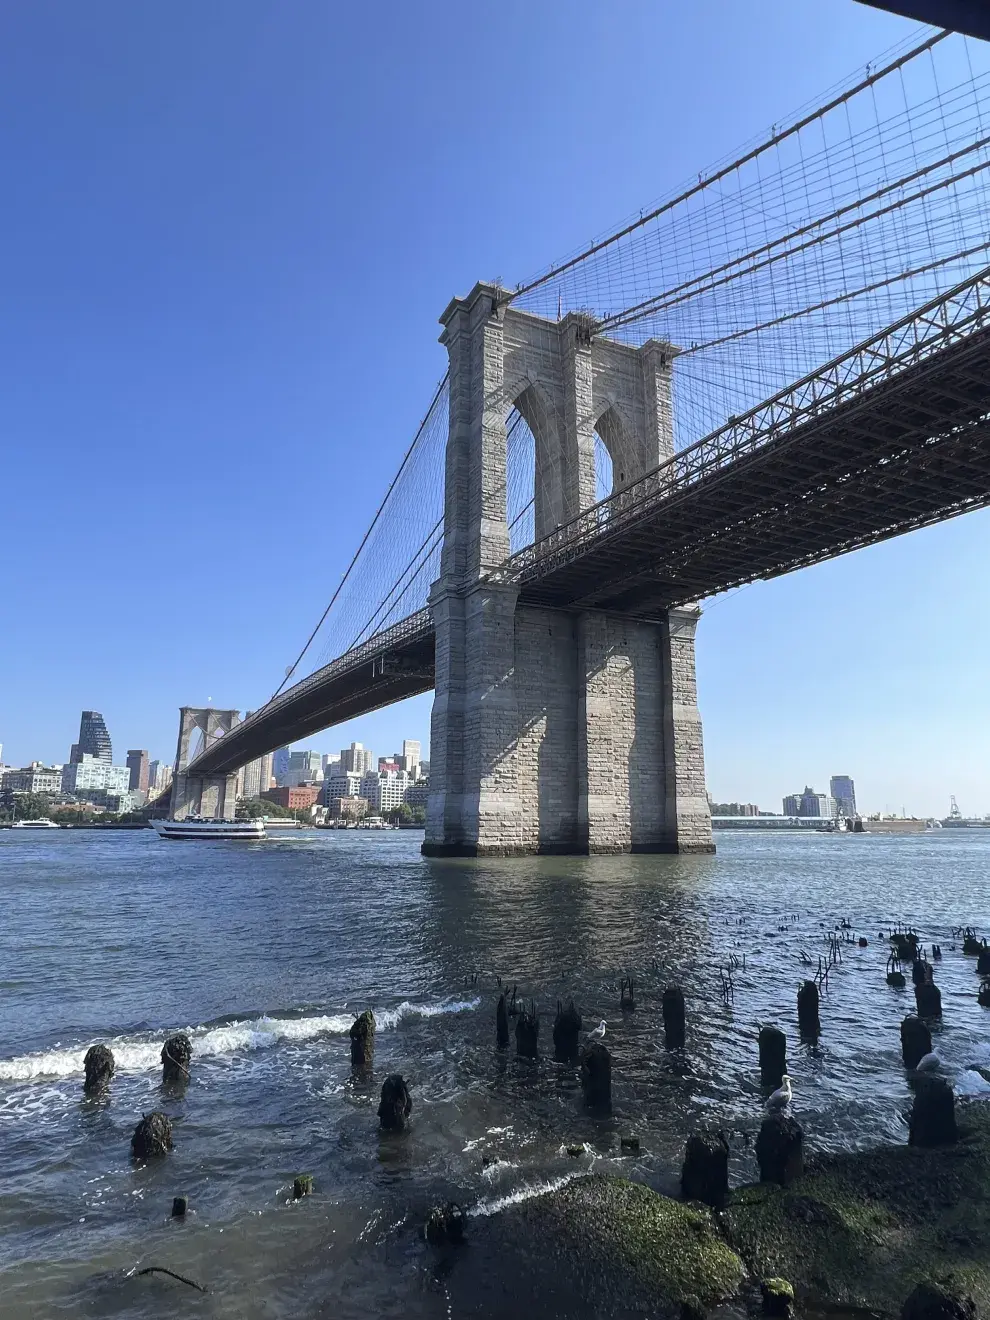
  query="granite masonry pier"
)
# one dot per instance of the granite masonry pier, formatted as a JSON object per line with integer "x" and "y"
{"x": 554, "y": 731}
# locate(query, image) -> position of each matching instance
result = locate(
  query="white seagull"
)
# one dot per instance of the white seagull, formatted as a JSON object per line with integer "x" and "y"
{"x": 928, "y": 1063}
{"x": 598, "y": 1032}
{"x": 780, "y": 1098}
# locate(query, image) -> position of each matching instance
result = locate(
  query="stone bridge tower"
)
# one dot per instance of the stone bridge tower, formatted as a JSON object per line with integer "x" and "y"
{"x": 554, "y": 731}
{"x": 203, "y": 795}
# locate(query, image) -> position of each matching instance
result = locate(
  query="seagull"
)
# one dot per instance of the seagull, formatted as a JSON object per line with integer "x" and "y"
{"x": 780, "y": 1098}
{"x": 598, "y": 1032}
{"x": 928, "y": 1063}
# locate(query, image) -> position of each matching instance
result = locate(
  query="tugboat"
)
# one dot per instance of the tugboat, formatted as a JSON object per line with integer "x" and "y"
{"x": 202, "y": 827}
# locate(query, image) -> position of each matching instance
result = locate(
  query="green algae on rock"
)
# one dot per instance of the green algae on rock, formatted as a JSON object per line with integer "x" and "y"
{"x": 862, "y": 1229}
{"x": 620, "y": 1234}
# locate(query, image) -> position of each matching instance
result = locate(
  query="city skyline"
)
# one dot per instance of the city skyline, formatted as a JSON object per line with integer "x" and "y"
{"x": 872, "y": 660}
{"x": 319, "y": 763}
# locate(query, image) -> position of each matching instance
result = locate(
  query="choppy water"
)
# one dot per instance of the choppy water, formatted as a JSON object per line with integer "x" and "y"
{"x": 265, "y": 952}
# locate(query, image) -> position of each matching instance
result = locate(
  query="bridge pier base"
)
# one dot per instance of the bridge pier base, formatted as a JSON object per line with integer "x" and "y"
{"x": 556, "y": 732}
{"x": 213, "y": 796}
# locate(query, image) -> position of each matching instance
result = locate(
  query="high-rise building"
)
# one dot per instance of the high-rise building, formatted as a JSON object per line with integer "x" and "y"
{"x": 304, "y": 768}
{"x": 280, "y": 765}
{"x": 94, "y": 739}
{"x": 137, "y": 764}
{"x": 92, "y": 774}
{"x": 257, "y": 776}
{"x": 843, "y": 790}
{"x": 340, "y": 784}
{"x": 159, "y": 776}
{"x": 809, "y": 803}
{"x": 357, "y": 757}
{"x": 384, "y": 790}
{"x": 411, "y": 753}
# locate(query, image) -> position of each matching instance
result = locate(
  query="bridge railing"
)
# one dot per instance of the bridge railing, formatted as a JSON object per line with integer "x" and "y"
{"x": 418, "y": 624}
{"x": 931, "y": 328}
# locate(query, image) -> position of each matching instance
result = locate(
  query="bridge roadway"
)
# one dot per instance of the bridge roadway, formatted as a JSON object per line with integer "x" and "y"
{"x": 892, "y": 436}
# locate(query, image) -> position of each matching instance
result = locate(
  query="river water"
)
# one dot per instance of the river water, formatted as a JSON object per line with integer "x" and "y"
{"x": 265, "y": 952}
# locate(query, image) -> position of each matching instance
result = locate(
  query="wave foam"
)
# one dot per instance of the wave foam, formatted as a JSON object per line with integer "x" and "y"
{"x": 136, "y": 1056}
{"x": 492, "y": 1205}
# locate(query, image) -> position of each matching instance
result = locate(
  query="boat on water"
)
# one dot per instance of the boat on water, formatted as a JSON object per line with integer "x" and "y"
{"x": 200, "y": 827}
{"x": 34, "y": 825}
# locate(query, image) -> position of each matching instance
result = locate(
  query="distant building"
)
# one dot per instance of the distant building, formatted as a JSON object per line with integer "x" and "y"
{"x": 121, "y": 803}
{"x": 293, "y": 797}
{"x": 734, "y": 809}
{"x": 94, "y": 739}
{"x": 409, "y": 760}
{"x": 809, "y": 803}
{"x": 256, "y": 777}
{"x": 33, "y": 778}
{"x": 424, "y": 769}
{"x": 340, "y": 784}
{"x": 91, "y": 775}
{"x": 280, "y": 765}
{"x": 350, "y": 808}
{"x": 384, "y": 790}
{"x": 357, "y": 757}
{"x": 843, "y": 790}
{"x": 137, "y": 764}
{"x": 304, "y": 768}
{"x": 418, "y": 794}
{"x": 159, "y": 776}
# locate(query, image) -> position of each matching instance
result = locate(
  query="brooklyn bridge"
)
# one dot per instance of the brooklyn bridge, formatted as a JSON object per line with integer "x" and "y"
{"x": 785, "y": 360}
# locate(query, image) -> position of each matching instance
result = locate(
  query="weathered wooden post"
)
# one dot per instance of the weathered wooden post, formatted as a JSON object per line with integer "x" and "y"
{"x": 705, "y": 1174}
{"x": 674, "y": 1017}
{"x": 807, "y": 1009}
{"x": 928, "y": 998}
{"x": 566, "y": 1030}
{"x": 779, "y": 1150}
{"x": 363, "y": 1040}
{"x": 152, "y": 1136}
{"x": 916, "y": 1041}
{"x": 933, "y": 1114}
{"x": 527, "y": 1032}
{"x": 596, "y": 1076}
{"x": 99, "y": 1066}
{"x": 773, "y": 1055}
{"x": 176, "y": 1058}
{"x": 396, "y": 1104}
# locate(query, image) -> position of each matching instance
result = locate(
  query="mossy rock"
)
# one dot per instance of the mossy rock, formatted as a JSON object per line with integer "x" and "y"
{"x": 862, "y": 1229}
{"x": 657, "y": 1247}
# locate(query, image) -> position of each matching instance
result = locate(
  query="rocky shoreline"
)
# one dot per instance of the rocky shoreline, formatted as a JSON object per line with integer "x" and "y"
{"x": 853, "y": 1235}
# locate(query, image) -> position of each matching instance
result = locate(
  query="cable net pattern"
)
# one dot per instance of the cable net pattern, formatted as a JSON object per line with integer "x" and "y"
{"x": 805, "y": 245}
{"x": 860, "y": 209}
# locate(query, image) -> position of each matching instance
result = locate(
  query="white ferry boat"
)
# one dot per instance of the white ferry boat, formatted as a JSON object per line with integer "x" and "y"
{"x": 34, "y": 825}
{"x": 199, "y": 827}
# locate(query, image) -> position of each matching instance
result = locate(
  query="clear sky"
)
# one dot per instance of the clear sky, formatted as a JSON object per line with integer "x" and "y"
{"x": 228, "y": 232}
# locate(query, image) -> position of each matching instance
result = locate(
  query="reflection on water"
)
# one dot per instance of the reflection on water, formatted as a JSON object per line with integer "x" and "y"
{"x": 264, "y": 952}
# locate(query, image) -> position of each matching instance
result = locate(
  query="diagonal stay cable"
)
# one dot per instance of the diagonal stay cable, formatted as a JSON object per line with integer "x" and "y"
{"x": 665, "y": 301}
{"x": 414, "y": 563}
{"x": 832, "y": 302}
{"x": 706, "y": 280}
{"x": 364, "y": 539}
{"x": 706, "y": 182}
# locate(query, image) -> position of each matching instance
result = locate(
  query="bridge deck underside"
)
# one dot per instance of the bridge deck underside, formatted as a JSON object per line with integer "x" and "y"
{"x": 909, "y": 452}
{"x": 404, "y": 670}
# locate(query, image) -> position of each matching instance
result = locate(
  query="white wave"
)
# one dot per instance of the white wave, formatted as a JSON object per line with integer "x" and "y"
{"x": 137, "y": 1056}
{"x": 492, "y": 1205}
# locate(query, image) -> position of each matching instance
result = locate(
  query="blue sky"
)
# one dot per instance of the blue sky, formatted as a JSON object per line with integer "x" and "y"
{"x": 229, "y": 230}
